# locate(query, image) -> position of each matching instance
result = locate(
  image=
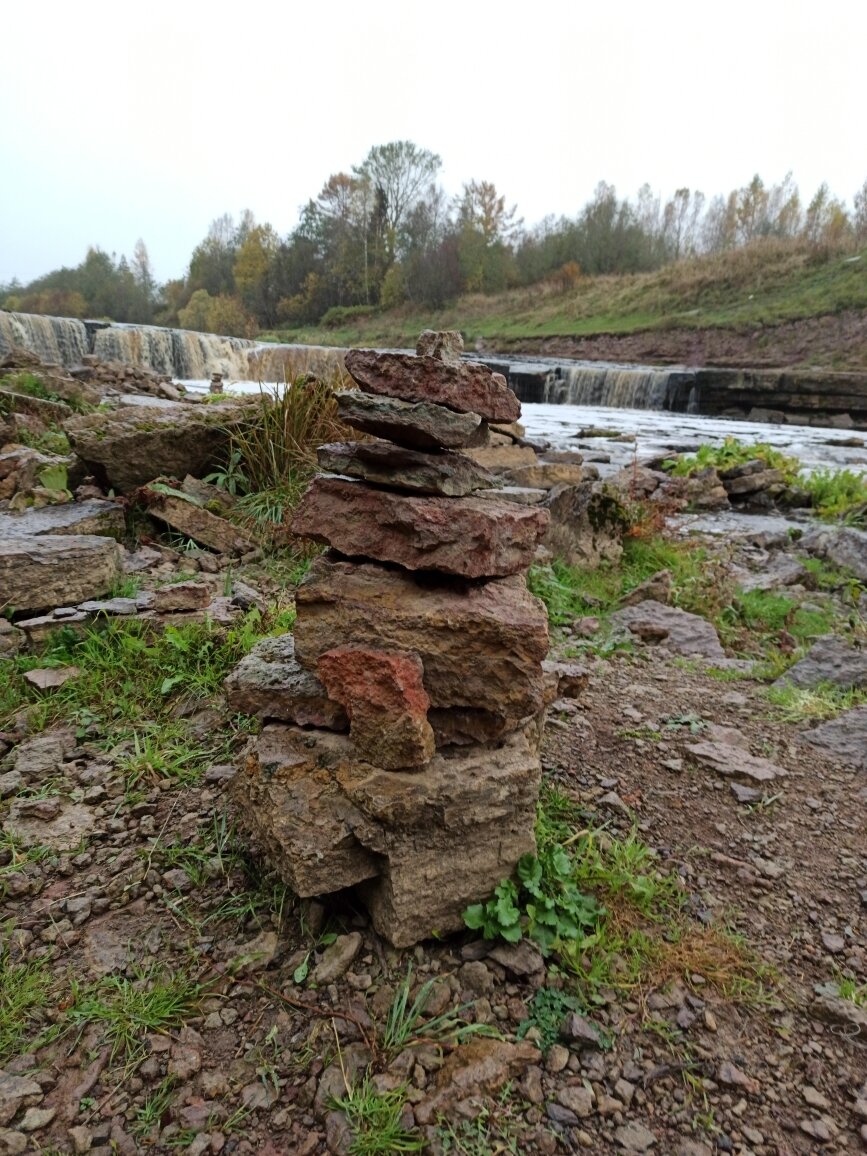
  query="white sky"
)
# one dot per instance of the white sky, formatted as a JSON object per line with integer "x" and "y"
{"x": 149, "y": 119}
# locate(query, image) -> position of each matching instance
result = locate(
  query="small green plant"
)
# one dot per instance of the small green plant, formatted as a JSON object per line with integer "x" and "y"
{"x": 801, "y": 704}
{"x": 546, "y": 1012}
{"x": 838, "y": 494}
{"x": 496, "y": 1130}
{"x": 374, "y": 1119}
{"x": 405, "y": 1023}
{"x": 544, "y": 904}
{"x": 853, "y": 991}
{"x": 149, "y": 1116}
{"x": 730, "y": 454}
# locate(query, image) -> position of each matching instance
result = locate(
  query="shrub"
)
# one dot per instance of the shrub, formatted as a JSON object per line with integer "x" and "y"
{"x": 339, "y": 315}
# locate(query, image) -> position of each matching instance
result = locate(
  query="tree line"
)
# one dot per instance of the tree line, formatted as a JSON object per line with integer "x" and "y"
{"x": 386, "y": 233}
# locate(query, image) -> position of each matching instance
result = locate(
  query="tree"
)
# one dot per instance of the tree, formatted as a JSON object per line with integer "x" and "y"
{"x": 401, "y": 173}
{"x": 859, "y": 217}
{"x": 253, "y": 273}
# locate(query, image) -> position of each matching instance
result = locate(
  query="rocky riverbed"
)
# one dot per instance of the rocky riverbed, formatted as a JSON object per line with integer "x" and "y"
{"x": 705, "y": 775}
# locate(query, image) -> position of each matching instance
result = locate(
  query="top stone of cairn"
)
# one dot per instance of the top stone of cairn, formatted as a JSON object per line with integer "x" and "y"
{"x": 436, "y": 374}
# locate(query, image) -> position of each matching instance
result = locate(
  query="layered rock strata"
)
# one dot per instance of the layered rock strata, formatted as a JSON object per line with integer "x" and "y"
{"x": 417, "y": 635}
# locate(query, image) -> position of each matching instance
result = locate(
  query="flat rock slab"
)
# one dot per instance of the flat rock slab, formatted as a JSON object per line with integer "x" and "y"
{"x": 675, "y": 630}
{"x": 845, "y": 546}
{"x": 481, "y": 644}
{"x": 467, "y": 387}
{"x": 193, "y": 521}
{"x": 43, "y": 571}
{"x": 845, "y": 738}
{"x": 270, "y": 683}
{"x": 725, "y": 751}
{"x": 61, "y": 825}
{"x": 466, "y": 537}
{"x": 452, "y": 475}
{"x": 832, "y": 660}
{"x": 547, "y": 475}
{"x": 419, "y": 425}
{"x": 505, "y": 457}
{"x": 328, "y": 820}
{"x": 93, "y": 516}
{"x": 135, "y": 443}
{"x": 384, "y": 697}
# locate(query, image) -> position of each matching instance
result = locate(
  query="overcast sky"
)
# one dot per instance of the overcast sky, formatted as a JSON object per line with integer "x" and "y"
{"x": 150, "y": 119}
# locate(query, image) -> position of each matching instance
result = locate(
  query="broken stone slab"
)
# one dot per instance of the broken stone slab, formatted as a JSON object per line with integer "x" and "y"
{"x": 94, "y": 516}
{"x": 547, "y": 475}
{"x": 565, "y": 679}
{"x": 674, "y": 630}
{"x": 190, "y": 595}
{"x": 467, "y": 387}
{"x": 504, "y": 457}
{"x": 831, "y": 660}
{"x": 133, "y": 444}
{"x": 419, "y": 425}
{"x": 452, "y": 475}
{"x": 445, "y": 345}
{"x": 466, "y": 537}
{"x": 270, "y": 683}
{"x": 844, "y": 738}
{"x": 752, "y": 483}
{"x": 587, "y": 524}
{"x": 481, "y": 644}
{"x": 328, "y": 820}
{"x": 520, "y": 495}
{"x": 193, "y": 521}
{"x": 779, "y": 571}
{"x": 656, "y": 588}
{"x": 726, "y": 754}
{"x": 38, "y": 572}
{"x": 383, "y": 695}
{"x": 61, "y": 825}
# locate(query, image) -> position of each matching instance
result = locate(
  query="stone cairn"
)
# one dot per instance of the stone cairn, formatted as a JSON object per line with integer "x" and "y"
{"x": 410, "y": 700}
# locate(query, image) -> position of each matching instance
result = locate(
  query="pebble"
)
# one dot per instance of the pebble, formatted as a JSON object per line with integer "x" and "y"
{"x": 557, "y": 1058}
{"x": 577, "y": 1099}
{"x": 634, "y": 1137}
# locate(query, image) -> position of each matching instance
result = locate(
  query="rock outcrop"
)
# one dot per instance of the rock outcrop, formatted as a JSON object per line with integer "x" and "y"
{"x": 418, "y": 633}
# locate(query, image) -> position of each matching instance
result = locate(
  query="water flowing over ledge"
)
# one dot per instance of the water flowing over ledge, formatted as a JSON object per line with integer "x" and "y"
{"x": 808, "y": 397}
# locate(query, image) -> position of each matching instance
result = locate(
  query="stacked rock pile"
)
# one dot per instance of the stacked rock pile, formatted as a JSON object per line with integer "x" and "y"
{"x": 416, "y": 633}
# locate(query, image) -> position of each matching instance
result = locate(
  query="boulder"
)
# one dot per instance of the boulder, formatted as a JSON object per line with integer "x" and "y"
{"x": 587, "y": 524}
{"x": 844, "y": 738}
{"x": 383, "y": 463}
{"x": 329, "y": 820}
{"x": 467, "y": 387}
{"x": 481, "y": 644}
{"x": 419, "y": 425}
{"x": 270, "y": 683}
{"x": 387, "y": 705}
{"x": 93, "y": 516}
{"x": 831, "y": 660}
{"x": 674, "y": 630}
{"x": 844, "y": 546}
{"x": 467, "y": 537}
{"x": 134, "y": 444}
{"x": 40, "y": 572}
{"x": 445, "y": 345}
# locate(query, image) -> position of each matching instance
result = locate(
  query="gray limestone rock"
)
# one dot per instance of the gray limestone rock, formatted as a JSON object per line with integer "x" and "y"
{"x": 844, "y": 738}
{"x": 417, "y": 425}
{"x": 41, "y": 572}
{"x": 271, "y": 683}
{"x": 675, "y": 630}
{"x": 452, "y": 475}
{"x": 831, "y": 660}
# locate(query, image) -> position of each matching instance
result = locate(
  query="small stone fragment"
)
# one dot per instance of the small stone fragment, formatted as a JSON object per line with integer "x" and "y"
{"x": 337, "y": 958}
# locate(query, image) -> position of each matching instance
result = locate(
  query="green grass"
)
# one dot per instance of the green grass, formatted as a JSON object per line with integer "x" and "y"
{"x": 51, "y": 440}
{"x": 794, "y": 704}
{"x": 761, "y": 285}
{"x": 28, "y": 992}
{"x": 838, "y": 494}
{"x": 406, "y": 1024}
{"x": 374, "y": 1118}
{"x": 128, "y": 1009}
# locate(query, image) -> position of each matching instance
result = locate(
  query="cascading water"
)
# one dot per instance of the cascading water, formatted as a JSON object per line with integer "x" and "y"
{"x": 55, "y": 340}
{"x": 177, "y": 352}
{"x": 601, "y": 384}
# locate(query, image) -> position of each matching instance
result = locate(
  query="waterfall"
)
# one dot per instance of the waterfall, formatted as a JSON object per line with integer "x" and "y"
{"x": 56, "y": 340}
{"x": 177, "y": 352}
{"x": 636, "y": 387}
{"x": 590, "y": 383}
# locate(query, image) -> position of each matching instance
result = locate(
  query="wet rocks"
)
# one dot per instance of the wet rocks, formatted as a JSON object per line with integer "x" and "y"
{"x": 675, "y": 630}
{"x": 466, "y": 537}
{"x": 467, "y": 387}
{"x": 416, "y": 425}
{"x": 452, "y": 475}
{"x": 831, "y": 660}
{"x": 422, "y": 634}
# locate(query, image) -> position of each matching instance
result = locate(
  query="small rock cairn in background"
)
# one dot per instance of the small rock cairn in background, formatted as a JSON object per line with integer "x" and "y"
{"x": 408, "y": 707}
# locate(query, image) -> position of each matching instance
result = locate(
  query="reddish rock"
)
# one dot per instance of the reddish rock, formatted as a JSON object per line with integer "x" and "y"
{"x": 467, "y": 537}
{"x": 481, "y": 644}
{"x": 467, "y": 387}
{"x": 387, "y": 704}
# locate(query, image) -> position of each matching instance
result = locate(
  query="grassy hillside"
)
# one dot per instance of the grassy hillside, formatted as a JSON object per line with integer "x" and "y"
{"x": 763, "y": 285}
